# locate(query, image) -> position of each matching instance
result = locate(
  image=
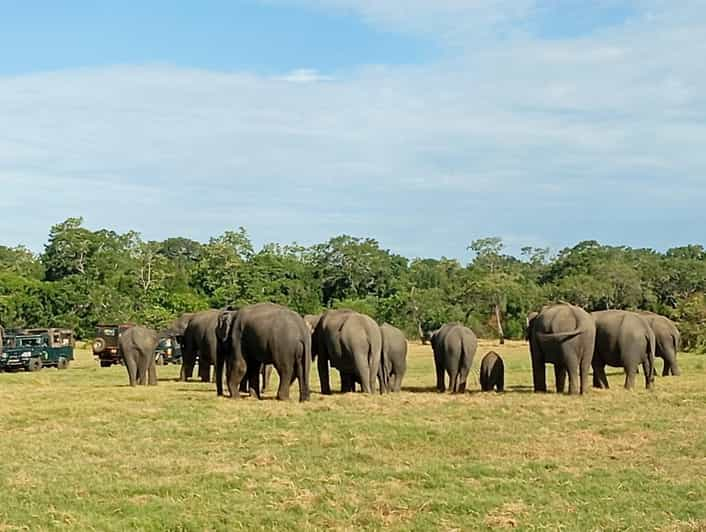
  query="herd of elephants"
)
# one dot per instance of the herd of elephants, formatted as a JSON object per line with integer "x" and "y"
{"x": 249, "y": 342}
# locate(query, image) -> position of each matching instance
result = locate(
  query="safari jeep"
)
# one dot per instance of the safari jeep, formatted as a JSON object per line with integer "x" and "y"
{"x": 105, "y": 346}
{"x": 168, "y": 351}
{"x": 33, "y": 349}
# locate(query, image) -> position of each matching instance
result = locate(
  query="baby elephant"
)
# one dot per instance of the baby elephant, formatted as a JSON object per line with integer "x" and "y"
{"x": 492, "y": 373}
{"x": 138, "y": 345}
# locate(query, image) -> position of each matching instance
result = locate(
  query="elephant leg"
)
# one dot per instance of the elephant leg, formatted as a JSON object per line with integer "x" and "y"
{"x": 600, "y": 379}
{"x": 131, "y": 367}
{"x": 463, "y": 379}
{"x": 347, "y": 383}
{"x": 322, "y": 365}
{"x": 440, "y": 374}
{"x": 584, "y": 371}
{"x": 597, "y": 369}
{"x": 142, "y": 368}
{"x": 236, "y": 369}
{"x": 630, "y": 374}
{"x": 384, "y": 379}
{"x": 220, "y": 363}
{"x": 400, "y": 372}
{"x": 671, "y": 367}
{"x": 648, "y": 371}
{"x": 500, "y": 387}
{"x": 187, "y": 372}
{"x": 263, "y": 374}
{"x": 152, "y": 374}
{"x": 539, "y": 376}
{"x": 253, "y": 380}
{"x": 574, "y": 383}
{"x": 362, "y": 369}
{"x": 204, "y": 370}
{"x": 560, "y": 377}
{"x": 285, "y": 381}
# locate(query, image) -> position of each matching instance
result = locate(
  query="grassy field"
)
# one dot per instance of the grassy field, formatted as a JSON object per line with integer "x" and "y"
{"x": 81, "y": 451}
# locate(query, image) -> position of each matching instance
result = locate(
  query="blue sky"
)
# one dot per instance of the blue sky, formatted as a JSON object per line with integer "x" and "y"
{"x": 425, "y": 124}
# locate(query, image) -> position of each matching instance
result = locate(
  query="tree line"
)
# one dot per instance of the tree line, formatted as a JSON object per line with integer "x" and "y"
{"x": 84, "y": 277}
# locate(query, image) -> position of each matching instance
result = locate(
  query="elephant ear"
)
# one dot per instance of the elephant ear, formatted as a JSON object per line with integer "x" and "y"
{"x": 225, "y": 322}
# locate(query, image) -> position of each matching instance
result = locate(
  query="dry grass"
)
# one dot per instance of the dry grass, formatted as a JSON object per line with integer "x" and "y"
{"x": 82, "y": 450}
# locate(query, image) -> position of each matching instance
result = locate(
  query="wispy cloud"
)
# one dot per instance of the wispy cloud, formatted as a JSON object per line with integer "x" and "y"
{"x": 304, "y": 75}
{"x": 599, "y": 136}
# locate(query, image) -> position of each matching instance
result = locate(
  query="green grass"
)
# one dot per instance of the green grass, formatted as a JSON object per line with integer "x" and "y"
{"x": 81, "y": 450}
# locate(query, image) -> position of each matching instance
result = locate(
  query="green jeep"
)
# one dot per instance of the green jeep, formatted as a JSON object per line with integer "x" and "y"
{"x": 105, "y": 346}
{"x": 33, "y": 349}
{"x": 168, "y": 351}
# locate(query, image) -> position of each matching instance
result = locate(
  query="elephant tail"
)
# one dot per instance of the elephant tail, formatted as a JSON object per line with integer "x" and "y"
{"x": 382, "y": 370}
{"x": 456, "y": 379}
{"x": 304, "y": 369}
{"x": 651, "y": 356}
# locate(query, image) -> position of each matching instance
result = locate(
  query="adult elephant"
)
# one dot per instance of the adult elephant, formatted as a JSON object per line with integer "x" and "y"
{"x": 261, "y": 334}
{"x": 393, "y": 363}
{"x": 454, "y": 347}
{"x": 350, "y": 342}
{"x": 623, "y": 339}
{"x": 668, "y": 339}
{"x": 138, "y": 344}
{"x": 198, "y": 339}
{"x": 563, "y": 335}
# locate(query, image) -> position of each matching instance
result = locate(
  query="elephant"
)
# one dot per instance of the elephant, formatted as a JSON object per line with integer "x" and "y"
{"x": 492, "y": 373}
{"x": 352, "y": 343}
{"x": 393, "y": 362}
{"x": 261, "y": 334}
{"x": 668, "y": 339}
{"x": 138, "y": 345}
{"x": 454, "y": 347}
{"x": 199, "y": 339}
{"x": 563, "y": 335}
{"x": 623, "y": 339}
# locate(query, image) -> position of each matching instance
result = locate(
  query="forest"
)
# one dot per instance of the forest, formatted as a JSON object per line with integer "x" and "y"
{"x": 84, "y": 276}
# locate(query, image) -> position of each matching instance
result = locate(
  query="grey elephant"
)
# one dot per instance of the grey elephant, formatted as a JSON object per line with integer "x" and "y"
{"x": 492, "y": 373}
{"x": 563, "y": 335}
{"x": 668, "y": 339}
{"x": 198, "y": 340}
{"x": 138, "y": 345}
{"x": 454, "y": 347}
{"x": 350, "y": 342}
{"x": 260, "y": 334}
{"x": 393, "y": 363}
{"x": 623, "y": 339}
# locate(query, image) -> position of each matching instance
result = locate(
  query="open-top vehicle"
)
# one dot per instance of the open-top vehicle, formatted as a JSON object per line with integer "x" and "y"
{"x": 106, "y": 347}
{"x": 33, "y": 349}
{"x": 168, "y": 351}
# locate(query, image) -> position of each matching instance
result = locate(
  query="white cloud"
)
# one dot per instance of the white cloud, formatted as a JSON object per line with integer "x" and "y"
{"x": 594, "y": 137}
{"x": 304, "y": 75}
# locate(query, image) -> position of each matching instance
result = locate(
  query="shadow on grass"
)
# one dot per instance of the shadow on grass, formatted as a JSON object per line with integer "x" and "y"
{"x": 519, "y": 388}
{"x": 419, "y": 389}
